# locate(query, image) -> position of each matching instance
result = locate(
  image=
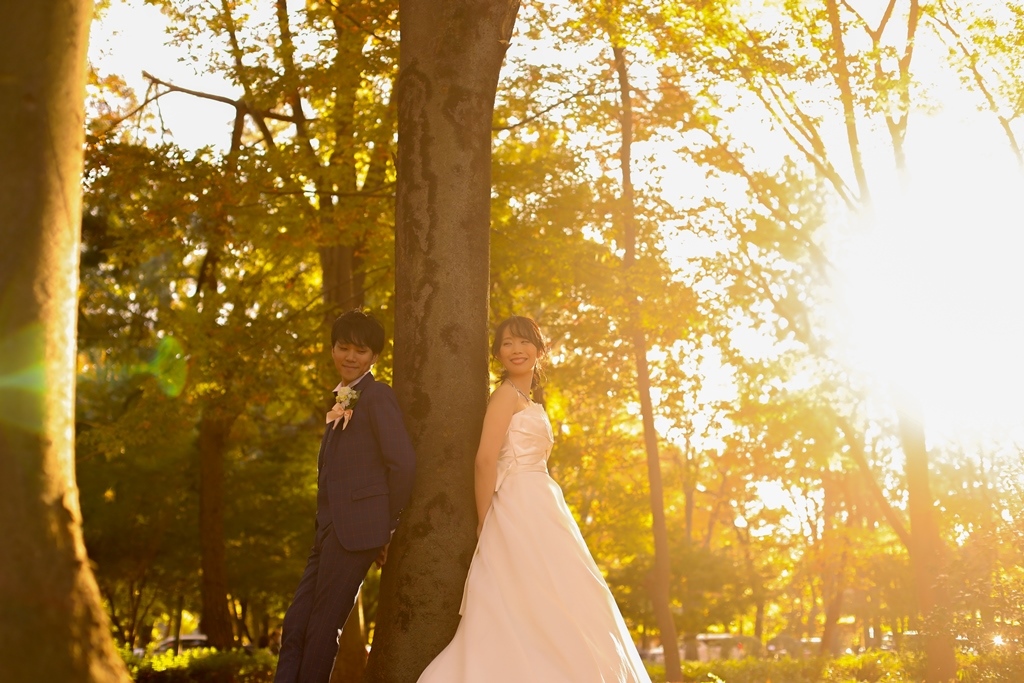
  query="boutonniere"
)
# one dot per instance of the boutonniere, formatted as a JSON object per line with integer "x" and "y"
{"x": 344, "y": 401}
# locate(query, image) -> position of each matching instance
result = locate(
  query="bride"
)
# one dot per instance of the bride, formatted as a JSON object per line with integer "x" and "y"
{"x": 535, "y": 607}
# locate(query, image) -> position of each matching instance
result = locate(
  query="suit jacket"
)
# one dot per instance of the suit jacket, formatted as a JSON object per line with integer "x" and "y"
{"x": 367, "y": 468}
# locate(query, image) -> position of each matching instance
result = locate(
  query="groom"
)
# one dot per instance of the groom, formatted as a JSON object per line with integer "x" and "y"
{"x": 365, "y": 475}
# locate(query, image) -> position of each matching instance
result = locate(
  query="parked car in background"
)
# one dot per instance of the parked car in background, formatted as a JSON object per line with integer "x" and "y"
{"x": 654, "y": 654}
{"x": 907, "y": 640}
{"x": 705, "y": 647}
{"x": 784, "y": 645}
{"x": 189, "y": 641}
{"x": 811, "y": 647}
{"x": 914, "y": 641}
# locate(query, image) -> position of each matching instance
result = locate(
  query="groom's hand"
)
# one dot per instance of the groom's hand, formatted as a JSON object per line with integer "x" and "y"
{"x": 382, "y": 557}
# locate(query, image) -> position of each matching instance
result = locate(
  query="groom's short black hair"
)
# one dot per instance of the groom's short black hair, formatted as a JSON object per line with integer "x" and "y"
{"x": 360, "y": 328}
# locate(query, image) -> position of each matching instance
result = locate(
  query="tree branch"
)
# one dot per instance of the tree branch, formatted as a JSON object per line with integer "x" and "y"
{"x": 841, "y": 74}
{"x": 816, "y": 154}
{"x": 236, "y": 103}
{"x": 857, "y": 452}
{"x": 972, "y": 59}
{"x": 533, "y": 117}
{"x": 118, "y": 121}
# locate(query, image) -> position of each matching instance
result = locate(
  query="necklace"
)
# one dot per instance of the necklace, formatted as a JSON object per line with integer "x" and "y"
{"x": 528, "y": 399}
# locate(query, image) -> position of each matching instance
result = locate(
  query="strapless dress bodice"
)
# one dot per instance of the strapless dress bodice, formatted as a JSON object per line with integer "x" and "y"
{"x": 527, "y": 444}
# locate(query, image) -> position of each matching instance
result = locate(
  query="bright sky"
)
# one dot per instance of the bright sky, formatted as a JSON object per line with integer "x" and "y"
{"x": 130, "y": 39}
{"x": 929, "y": 296}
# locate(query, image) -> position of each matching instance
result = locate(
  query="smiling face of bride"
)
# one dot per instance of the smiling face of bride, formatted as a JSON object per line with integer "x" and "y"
{"x": 517, "y": 346}
{"x": 517, "y": 354}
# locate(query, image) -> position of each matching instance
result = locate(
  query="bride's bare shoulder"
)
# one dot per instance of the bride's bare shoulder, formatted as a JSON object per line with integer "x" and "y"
{"x": 501, "y": 405}
{"x": 504, "y": 393}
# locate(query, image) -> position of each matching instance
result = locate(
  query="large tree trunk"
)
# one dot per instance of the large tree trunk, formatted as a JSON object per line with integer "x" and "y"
{"x": 660, "y": 580}
{"x": 451, "y": 55}
{"x": 53, "y": 627}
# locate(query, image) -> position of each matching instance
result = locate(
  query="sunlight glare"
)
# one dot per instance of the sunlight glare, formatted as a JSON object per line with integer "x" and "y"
{"x": 930, "y": 294}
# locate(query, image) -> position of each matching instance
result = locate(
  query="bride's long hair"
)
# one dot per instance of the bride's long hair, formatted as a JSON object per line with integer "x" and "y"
{"x": 525, "y": 328}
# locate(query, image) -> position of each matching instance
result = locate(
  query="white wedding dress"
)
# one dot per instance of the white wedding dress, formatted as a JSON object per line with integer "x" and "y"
{"x": 535, "y": 609}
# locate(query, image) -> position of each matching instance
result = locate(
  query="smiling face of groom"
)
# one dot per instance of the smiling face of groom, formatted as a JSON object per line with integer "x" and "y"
{"x": 357, "y": 338}
{"x": 352, "y": 360}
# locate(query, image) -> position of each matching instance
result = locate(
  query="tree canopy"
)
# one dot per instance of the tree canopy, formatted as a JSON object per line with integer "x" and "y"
{"x": 782, "y": 167}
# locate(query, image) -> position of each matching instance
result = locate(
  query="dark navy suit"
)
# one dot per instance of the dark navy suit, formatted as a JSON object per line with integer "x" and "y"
{"x": 365, "y": 477}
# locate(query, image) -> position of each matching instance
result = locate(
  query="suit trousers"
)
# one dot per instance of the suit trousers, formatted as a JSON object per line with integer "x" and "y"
{"x": 322, "y": 602}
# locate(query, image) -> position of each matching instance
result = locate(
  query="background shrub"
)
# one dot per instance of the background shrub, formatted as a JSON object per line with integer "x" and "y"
{"x": 205, "y": 666}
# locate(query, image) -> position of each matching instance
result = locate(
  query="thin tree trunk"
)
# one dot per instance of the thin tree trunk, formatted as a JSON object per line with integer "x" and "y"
{"x": 833, "y": 593}
{"x": 661, "y": 576}
{"x": 690, "y": 502}
{"x": 179, "y": 607}
{"x": 927, "y": 556}
{"x": 925, "y": 542}
{"x": 690, "y": 474}
{"x": 53, "y": 626}
{"x": 755, "y": 580}
{"x": 812, "y": 613}
{"x": 927, "y": 559}
{"x": 842, "y": 76}
{"x": 240, "y": 616}
{"x": 214, "y": 428}
{"x": 339, "y": 212}
{"x": 897, "y": 123}
{"x": 857, "y": 451}
{"x": 216, "y": 620}
{"x": 445, "y": 98}
{"x": 338, "y": 286}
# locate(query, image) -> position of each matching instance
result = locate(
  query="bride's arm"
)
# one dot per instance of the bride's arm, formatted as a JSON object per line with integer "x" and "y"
{"x": 499, "y": 414}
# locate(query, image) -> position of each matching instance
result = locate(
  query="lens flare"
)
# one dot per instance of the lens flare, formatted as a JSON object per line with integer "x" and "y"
{"x": 22, "y": 379}
{"x": 168, "y": 366}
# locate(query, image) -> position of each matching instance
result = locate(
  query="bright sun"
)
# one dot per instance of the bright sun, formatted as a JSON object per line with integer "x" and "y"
{"x": 930, "y": 292}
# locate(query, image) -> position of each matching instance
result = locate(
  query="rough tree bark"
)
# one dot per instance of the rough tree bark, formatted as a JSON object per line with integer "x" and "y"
{"x": 451, "y": 55}
{"x": 53, "y": 627}
{"x": 661, "y": 576}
